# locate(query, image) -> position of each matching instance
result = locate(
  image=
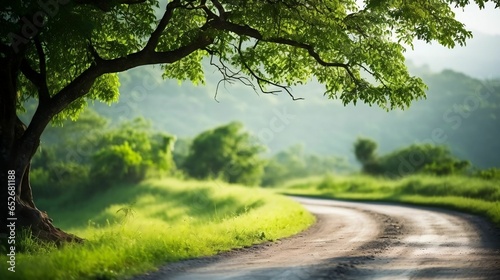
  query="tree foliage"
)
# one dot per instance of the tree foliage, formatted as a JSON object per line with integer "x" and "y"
{"x": 273, "y": 42}
{"x": 365, "y": 150}
{"x": 117, "y": 163}
{"x": 489, "y": 174}
{"x": 226, "y": 152}
{"x": 155, "y": 148}
{"x": 416, "y": 158}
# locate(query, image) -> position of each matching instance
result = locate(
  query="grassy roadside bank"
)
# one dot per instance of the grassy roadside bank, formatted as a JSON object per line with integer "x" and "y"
{"x": 471, "y": 195}
{"x": 132, "y": 229}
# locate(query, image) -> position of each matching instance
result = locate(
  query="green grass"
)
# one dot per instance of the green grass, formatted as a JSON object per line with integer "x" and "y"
{"x": 472, "y": 195}
{"x": 133, "y": 229}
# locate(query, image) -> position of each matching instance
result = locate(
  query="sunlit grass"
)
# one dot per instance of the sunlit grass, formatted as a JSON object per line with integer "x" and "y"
{"x": 462, "y": 193}
{"x": 132, "y": 229}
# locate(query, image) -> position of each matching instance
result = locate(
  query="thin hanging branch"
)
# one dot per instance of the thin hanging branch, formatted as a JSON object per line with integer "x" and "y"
{"x": 228, "y": 75}
{"x": 261, "y": 80}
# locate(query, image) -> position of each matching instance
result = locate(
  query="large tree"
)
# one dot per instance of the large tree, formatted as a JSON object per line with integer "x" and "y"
{"x": 65, "y": 52}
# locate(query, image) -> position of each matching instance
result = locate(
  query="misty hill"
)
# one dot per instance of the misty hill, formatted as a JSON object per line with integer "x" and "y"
{"x": 460, "y": 111}
{"x": 479, "y": 59}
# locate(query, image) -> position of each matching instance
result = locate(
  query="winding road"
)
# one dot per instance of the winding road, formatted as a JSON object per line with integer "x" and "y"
{"x": 354, "y": 240}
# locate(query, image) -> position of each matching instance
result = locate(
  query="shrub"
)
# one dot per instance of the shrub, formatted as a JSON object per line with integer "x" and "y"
{"x": 489, "y": 174}
{"x": 58, "y": 178}
{"x": 328, "y": 183}
{"x": 417, "y": 158}
{"x": 117, "y": 163}
{"x": 226, "y": 152}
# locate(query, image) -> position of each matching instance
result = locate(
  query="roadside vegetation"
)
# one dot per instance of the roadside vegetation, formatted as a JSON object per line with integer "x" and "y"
{"x": 468, "y": 194}
{"x": 131, "y": 229}
{"x": 421, "y": 174}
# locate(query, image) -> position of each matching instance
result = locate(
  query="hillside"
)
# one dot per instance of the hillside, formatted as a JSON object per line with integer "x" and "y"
{"x": 460, "y": 111}
{"x": 479, "y": 59}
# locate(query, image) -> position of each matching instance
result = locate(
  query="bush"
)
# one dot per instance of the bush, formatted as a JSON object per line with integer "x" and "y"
{"x": 58, "y": 178}
{"x": 117, "y": 163}
{"x": 426, "y": 158}
{"x": 155, "y": 149}
{"x": 418, "y": 158}
{"x": 489, "y": 174}
{"x": 226, "y": 152}
{"x": 329, "y": 183}
{"x": 86, "y": 155}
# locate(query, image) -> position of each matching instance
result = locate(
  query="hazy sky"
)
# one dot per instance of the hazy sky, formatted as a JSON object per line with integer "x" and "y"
{"x": 485, "y": 21}
{"x": 480, "y": 58}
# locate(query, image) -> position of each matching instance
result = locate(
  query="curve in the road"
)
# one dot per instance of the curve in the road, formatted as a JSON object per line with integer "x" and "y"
{"x": 354, "y": 240}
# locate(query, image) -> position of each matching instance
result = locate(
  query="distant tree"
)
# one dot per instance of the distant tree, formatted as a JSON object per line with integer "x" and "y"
{"x": 294, "y": 162}
{"x": 416, "y": 158}
{"x": 365, "y": 150}
{"x": 162, "y": 146}
{"x": 421, "y": 158}
{"x": 117, "y": 163}
{"x": 489, "y": 174}
{"x": 226, "y": 152}
{"x": 135, "y": 137}
{"x": 65, "y": 52}
{"x": 89, "y": 146}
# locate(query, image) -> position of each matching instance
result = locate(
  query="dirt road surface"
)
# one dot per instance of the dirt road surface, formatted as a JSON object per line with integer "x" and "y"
{"x": 361, "y": 241}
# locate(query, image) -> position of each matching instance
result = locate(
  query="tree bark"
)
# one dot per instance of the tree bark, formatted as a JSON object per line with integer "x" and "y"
{"x": 27, "y": 215}
{"x": 15, "y": 158}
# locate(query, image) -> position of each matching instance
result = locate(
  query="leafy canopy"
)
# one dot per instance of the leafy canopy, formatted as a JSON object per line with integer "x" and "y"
{"x": 71, "y": 50}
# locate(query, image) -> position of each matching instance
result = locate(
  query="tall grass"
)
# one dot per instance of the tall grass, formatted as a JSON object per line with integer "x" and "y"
{"x": 132, "y": 229}
{"x": 473, "y": 195}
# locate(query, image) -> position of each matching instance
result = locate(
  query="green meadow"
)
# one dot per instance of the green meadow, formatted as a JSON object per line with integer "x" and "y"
{"x": 467, "y": 194}
{"x": 131, "y": 229}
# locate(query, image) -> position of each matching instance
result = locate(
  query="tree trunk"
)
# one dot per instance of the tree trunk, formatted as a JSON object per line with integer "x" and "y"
{"x": 16, "y": 151}
{"x": 27, "y": 215}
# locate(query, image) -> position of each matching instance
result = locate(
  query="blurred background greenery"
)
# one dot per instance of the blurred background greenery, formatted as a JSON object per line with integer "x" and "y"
{"x": 161, "y": 129}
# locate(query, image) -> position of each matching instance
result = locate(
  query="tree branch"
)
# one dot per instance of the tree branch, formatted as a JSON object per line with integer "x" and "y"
{"x": 43, "y": 89}
{"x": 245, "y": 30}
{"x": 80, "y": 86}
{"x": 375, "y": 75}
{"x": 263, "y": 80}
{"x": 30, "y": 73}
{"x": 41, "y": 56}
{"x": 95, "y": 55}
{"x": 220, "y": 9}
{"x": 228, "y": 75}
{"x": 167, "y": 16}
{"x": 210, "y": 14}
